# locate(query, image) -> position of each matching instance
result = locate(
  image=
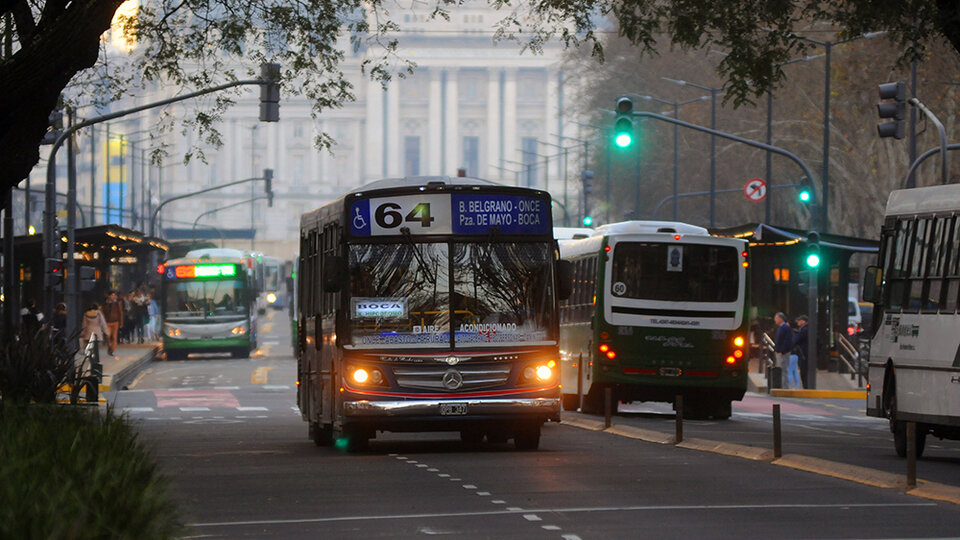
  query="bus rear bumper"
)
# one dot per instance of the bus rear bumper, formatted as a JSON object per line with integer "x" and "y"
{"x": 546, "y": 408}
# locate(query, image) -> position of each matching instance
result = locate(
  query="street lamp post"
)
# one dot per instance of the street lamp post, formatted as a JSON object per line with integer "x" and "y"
{"x": 825, "y": 169}
{"x": 713, "y": 139}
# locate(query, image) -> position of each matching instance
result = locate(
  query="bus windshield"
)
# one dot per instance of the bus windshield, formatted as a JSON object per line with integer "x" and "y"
{"x": 217, "y": 299}
{"x": 413, "y": 293}
{"x": 675, "y": 272}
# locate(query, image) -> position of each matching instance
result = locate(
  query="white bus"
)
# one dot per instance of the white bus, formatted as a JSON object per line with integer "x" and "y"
{"x": 914, "y": 368}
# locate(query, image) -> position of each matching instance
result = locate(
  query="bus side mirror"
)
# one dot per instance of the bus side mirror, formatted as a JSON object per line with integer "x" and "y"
{"x": 564, "y": 279}
{"x": 334, "y": 273}
{"x": 873, "y": 278}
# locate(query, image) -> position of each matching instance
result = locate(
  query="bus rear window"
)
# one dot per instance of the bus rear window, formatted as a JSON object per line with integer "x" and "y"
{"x": 675, "y": 272}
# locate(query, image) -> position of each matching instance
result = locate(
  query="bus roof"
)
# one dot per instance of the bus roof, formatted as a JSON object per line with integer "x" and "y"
{"x": 903, "y": 202}
{"x": 648, "y": 227}
{"x": 572, "y": 233}
{"x": 414, "y": 181}
{"x": 210, "y": 255}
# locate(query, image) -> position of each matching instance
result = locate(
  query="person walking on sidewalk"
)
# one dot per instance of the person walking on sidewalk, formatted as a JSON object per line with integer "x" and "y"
{"x": 800, "y": 347}
{"x": 113, "y": 314}
{"x": 94, "y": 325}
{"x": 782, "y": 343}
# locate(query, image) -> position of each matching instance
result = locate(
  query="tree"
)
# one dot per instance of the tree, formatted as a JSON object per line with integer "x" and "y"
{"x": 49, "y": 44}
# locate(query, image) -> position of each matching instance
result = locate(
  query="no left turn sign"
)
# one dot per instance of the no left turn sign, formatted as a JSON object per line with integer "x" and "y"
{"x": 755, "y": 189}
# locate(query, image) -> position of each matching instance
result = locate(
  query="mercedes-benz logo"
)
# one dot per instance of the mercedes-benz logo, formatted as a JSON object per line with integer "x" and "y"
{"x": 452, "y": 379}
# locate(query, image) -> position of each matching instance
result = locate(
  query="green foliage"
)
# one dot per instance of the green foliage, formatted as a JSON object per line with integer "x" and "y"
{"x": 33, "y": 365}
{"x": 74, "y": 473}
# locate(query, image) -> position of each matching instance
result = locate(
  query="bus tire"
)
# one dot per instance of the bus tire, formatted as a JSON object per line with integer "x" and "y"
{"x": 570, "y": 402}
{"x": 899, "y": 429}
{"x": 722, "y": 409}
{"x": 242, "y": 353}
{"x": 175, "y": 355}
{"x": 322, "y": 434}
{"x": 527, "y": 437}
{"x": 353, "y": 440}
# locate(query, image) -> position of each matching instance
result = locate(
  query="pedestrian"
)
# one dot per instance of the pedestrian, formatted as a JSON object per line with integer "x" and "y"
{"x": 59, "y": 318}
{"x": 782, "y": 343}
{"x": 800, "y": 347}
{"x": 113, "y": 314}
{"x": 153, "y": 317}
{"x": 94, "y": 326}
{"x": 30, "y": 317}
{"x": 138, "y": 301}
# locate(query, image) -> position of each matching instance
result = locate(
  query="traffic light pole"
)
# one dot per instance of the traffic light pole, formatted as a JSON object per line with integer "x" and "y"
{"x": 267, "y": 173}
{"x": 814, "y": 331}
{"x": 722, "y": 134}
{"x": 49, "y": 228}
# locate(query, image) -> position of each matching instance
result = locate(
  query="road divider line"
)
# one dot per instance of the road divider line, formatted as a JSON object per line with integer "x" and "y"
{"x": 259, "y": 375}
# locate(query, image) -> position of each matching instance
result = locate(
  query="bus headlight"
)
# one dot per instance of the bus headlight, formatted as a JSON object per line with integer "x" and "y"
{"x": 238, "y": 330}
{"x": 544, "y": 372}
{"x": 368, "y": 376}
{"x": 271, "y": 297}
{"x": 539, "y": 373}
{"x": 173, "y": 331}
{"x": 360, "y": 375}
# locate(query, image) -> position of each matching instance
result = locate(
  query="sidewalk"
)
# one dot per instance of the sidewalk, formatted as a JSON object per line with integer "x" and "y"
{"x": 829, "y": 385}
{"x": 127, "y": 361}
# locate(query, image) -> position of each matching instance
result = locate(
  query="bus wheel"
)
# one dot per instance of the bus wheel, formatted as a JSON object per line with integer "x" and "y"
{"x": 722, "y": 409}
{"x": 527, "y": 437}
{"x": 242, "y": 353}
{"x": 322, "y": 434}
{"x": 899, "y": 429}
{"x": 593, "y": 402}
{"x": 570, "y": 402}
{"x": 175, "y": 355}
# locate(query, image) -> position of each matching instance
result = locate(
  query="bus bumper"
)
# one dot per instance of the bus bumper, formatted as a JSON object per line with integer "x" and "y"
{"x": 545, "y": 408}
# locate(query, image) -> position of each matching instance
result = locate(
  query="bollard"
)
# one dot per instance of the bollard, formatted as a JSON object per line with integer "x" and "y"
{"x": 777, "y": 447}
{"x": 96, "y": 374}
{"x": 580, "y": 382}
{"x": 678, "y": 406}
{"x": 607, "y": 406}
{"x": 911, "y": 454}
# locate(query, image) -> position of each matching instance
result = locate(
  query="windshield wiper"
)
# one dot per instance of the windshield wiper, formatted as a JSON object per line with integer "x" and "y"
{"x": 405, "y": 232}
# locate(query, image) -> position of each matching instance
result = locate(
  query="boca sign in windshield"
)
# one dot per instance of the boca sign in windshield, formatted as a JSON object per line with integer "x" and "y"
{"x": 450, "y": 213}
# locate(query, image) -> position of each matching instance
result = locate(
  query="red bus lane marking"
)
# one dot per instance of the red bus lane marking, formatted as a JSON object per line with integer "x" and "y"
{"x": 195, "y": 398}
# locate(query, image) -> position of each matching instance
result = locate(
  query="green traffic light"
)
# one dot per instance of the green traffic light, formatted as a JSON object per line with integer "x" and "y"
{"x": 587, "y": 221}
{"x": 623, "y": 140}
{"x": 813, "y": 260}
{"x": 805, "y": 196}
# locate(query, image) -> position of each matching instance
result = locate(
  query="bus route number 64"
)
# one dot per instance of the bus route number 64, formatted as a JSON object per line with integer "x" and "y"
{"x": 388, "y": 215}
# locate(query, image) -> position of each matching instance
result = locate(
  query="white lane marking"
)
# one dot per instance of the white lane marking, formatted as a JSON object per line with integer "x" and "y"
{"x": 483, "y": 493}
{"x": 509, "y": 511}
{"x": 570, "y": 537}
{"x": 837, "y": 431}
{"x": 444, "y": 475}
{"x": 469, "y": 486}
{"x": 422, "y": 465}
{"x": 514, "y": 509}
{"x": 226, "y": 387}
{"x": 246, "y": 409}
{"x": 194, "y": 409}
{"x": 550, "y": 527}
{"x": 432, "y": 470}
{"x": 138, "y": 409}
{"x": 455, "y": 479}
{"x": 498, "y": 501}
{"x": 532, "y": 517}
{"x": 275, "y": 386}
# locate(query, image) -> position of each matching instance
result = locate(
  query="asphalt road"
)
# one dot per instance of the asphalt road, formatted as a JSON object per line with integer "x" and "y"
{"x": 229, "y": 437}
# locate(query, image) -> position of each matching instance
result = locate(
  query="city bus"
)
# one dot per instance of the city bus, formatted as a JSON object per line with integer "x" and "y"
{"x": 657, "y": 310}
{"x": 207, "y": 304}
{"x": 429, "y": 304}
{"x": 914, "y": 366}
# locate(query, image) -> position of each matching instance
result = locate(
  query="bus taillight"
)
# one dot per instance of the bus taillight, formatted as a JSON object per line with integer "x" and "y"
{"x": 604, "y": 347}
{"x": 738, "y": 341}
{"x": 731, "y": 360}
{"x": 611, "y": 354}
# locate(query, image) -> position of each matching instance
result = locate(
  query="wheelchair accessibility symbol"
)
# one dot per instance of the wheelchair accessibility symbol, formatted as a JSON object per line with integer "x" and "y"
{"x": 359, "y": 223}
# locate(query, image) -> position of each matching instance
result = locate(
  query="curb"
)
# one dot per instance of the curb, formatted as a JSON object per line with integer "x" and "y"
{"x": 834, "y": 469}
{"x": 121, "y": 377}
{"x": 835, "y": 394}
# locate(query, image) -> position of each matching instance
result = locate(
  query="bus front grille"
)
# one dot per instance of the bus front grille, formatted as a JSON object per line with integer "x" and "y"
{"x": 451, "y": 378}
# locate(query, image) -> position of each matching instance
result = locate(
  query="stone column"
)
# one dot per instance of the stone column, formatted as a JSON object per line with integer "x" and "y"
{"x": 434, "y": 141}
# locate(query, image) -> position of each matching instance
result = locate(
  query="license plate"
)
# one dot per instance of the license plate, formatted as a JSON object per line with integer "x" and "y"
{"x": 453, "y": 409}
{"x": 670, "y": 372}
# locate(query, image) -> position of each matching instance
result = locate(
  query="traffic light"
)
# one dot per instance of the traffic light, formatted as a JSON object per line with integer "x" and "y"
{"x": 897, "y": 109}
{"x": 268, "y": 185}
{"x": 805, "y": 194}
{"x": 587, "y": 178}
{"x": 52, "y": 273}
{"x": 270, "y": 92}
{"x": 587, "y": 221}
{"x": 623, "y": 127}
{"x": 812, "y": 254}
{"x": 88, "y": 277}
{"x": 54, "y": 127}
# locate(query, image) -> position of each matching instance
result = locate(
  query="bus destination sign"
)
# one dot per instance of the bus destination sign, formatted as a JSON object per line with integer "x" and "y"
{"x": 450, "y": 213}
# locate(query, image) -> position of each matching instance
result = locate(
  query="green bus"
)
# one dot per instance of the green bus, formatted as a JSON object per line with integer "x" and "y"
{"x": 657, "y": 311}
{"x": 207, "y": 304}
